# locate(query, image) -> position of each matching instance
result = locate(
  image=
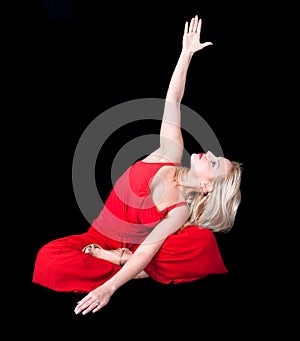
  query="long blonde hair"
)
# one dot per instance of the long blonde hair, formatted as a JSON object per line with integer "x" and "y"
{"x": 215, "y": 210}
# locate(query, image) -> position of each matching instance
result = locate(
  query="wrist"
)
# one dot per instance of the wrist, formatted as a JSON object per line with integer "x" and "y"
{"x": 109, "y": 287}
{"x": 187, "y": 53}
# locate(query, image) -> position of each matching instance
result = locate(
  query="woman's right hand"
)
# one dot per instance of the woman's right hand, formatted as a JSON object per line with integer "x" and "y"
{"x": 191, "y": 37}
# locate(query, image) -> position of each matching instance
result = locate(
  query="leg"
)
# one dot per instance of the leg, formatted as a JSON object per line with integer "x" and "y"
{"x": 190, "y": 254}
{"x": 62, "y": 266}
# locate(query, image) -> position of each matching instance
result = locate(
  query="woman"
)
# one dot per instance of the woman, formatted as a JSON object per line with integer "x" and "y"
{"x": 158, "y": 220}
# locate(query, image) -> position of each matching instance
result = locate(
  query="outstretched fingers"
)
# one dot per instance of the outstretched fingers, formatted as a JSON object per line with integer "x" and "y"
{"x": 186, "y": 27}
{"x": 192, "y": 24}
{"x": 199, "y": 26}
{"x": 197, "y": 29}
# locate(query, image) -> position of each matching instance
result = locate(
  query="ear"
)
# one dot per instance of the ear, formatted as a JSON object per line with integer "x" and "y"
{"x": 209, "y": 187}
{"x": 206, "y": 187}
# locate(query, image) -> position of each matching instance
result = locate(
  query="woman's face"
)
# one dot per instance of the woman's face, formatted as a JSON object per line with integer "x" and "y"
{"x": 208, "y": 166}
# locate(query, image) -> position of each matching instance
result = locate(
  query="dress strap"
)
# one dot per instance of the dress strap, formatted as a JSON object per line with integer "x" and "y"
{"x": 182, "y": 203}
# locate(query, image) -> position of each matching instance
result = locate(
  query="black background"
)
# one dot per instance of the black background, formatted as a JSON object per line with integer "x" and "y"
{"x": 82, "y": 58}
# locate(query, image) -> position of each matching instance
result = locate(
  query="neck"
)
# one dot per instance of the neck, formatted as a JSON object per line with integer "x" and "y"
{"x": 188, "y": 183}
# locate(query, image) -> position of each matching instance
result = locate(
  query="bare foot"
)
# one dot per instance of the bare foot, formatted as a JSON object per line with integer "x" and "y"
{"x": 117, "y": 256}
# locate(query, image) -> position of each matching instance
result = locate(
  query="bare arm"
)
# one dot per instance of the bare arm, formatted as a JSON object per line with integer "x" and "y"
{"x": 171, "y": 141}
{"x": 139, "y": 260}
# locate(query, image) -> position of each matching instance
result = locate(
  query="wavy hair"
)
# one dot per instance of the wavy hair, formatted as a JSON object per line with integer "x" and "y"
{"x": 217, "y": 209}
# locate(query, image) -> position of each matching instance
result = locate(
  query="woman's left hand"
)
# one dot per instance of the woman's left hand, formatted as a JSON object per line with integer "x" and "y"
{"x": 93, "y": 301}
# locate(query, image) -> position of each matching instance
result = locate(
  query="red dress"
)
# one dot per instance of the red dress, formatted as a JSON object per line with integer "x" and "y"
{"x": 127, "y": 218}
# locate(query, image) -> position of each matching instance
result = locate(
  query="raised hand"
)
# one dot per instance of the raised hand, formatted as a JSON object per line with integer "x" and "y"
{"x": 191, "y": 37}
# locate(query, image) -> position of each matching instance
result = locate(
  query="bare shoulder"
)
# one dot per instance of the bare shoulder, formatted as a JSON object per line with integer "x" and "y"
{"x": 157, "y": 157}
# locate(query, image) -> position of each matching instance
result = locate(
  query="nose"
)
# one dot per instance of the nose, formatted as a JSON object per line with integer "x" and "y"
{"x": 209, "y": 154}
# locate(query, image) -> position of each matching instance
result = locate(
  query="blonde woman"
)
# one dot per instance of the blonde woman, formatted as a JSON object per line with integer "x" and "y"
{"x": 158, "y": 221}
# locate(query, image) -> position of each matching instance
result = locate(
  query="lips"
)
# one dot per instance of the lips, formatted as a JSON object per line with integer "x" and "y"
{"x": 200, "y": 155}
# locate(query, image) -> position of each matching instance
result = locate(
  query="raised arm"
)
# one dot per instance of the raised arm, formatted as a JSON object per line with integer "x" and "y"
{"x": 190, "y": 44}
{"x": 171, "y": 141}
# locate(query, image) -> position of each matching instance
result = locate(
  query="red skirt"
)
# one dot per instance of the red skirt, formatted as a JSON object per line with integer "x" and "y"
{"x": 190, "y": 254}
